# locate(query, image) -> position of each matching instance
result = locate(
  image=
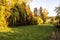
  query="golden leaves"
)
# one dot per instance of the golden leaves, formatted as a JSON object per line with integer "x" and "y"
{"x": 45, "y": 13}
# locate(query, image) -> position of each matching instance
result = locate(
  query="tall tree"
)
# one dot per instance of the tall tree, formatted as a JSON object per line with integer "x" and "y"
{"x": 58, "y": 12}
{"x": 14, "y": 16}
{"x": 35, "y": 11}
{"x": 58, "y": 15}
{"x": 43, "y": 14}
{"x": 18, "y": 14}
{"x": 29, "y": 15}
{"x": 4, "y": 13}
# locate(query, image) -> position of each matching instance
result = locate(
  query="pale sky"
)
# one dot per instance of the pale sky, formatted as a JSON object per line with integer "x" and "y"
{"x": 48, "y": 4}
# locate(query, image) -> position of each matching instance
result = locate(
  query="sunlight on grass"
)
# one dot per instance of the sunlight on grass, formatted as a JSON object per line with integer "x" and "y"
{"x": 46, "y": 25}
{"x": 7, "y": 29}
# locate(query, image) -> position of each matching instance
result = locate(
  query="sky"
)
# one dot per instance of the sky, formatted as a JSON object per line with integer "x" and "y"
{"x": 48, "y": 4}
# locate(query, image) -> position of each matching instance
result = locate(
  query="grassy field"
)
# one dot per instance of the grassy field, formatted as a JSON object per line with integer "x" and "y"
{"x": 31, "y": 32}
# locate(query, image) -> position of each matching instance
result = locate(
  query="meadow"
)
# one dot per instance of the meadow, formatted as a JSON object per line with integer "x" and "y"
{"x": 29, "y": 32}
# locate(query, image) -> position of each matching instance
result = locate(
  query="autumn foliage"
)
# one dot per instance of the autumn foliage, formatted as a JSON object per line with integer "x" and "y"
{"x": 13, "y": 12}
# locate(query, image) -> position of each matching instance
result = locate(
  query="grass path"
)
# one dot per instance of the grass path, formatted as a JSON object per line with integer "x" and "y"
{"x": 34, "y": 32}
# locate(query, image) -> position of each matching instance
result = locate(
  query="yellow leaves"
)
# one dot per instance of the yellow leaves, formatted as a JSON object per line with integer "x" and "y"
{"x": 4, "y": 13}
{"x": 33, "y": 14}
{"x": 6, "y": 1}
{"x": 28, "y": 10}
{"x": 6, "y": 29}
{"x": 3, "y": 22}
{"x": 7, "y": 14}
{"x": 2, "y": 8}
{"x": 25, "y": 0}
{"x": 13, "y": 2}
{"x": 19, "y": 1}
{"x": 39, "y": 21}
{"x": 45, "y": 13}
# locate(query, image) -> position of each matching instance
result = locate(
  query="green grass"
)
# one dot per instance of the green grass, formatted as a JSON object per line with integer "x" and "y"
{"x": 32, "y": 32}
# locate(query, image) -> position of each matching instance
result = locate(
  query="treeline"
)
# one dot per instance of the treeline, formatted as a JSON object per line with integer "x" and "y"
{"x": 20, "y": 15}
{"x": 16, "y": 13}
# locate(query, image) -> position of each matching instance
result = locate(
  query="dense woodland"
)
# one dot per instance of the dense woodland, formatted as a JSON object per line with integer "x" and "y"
{"x": 17, "y": 13}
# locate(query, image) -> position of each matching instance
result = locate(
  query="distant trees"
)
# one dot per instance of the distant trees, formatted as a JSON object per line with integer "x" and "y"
{"x": 58, "y": 16}
{"x": 35, "y": 11}
{"x": 58, "y": 12}
{"x": 38, "y": 17}
{"x": 31, "y": 20}
{"x": 43, "y": 14}
{"x": 13, "y": 12}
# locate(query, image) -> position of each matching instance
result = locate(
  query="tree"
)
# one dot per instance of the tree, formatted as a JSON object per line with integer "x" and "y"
{"x": 58, "y": 16}
{"x": 29, "y": 15}
{"x": 18, "y": 14}
{"x": 12, "y": 11}
{"x": 58, "y": 12}
{"x": 35, "y": 11}
{"x": 43, "y": 14}
{"x": 4, "y": 13}
{"x": 14, "y": 17}
{"x": 3, "y": 23}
